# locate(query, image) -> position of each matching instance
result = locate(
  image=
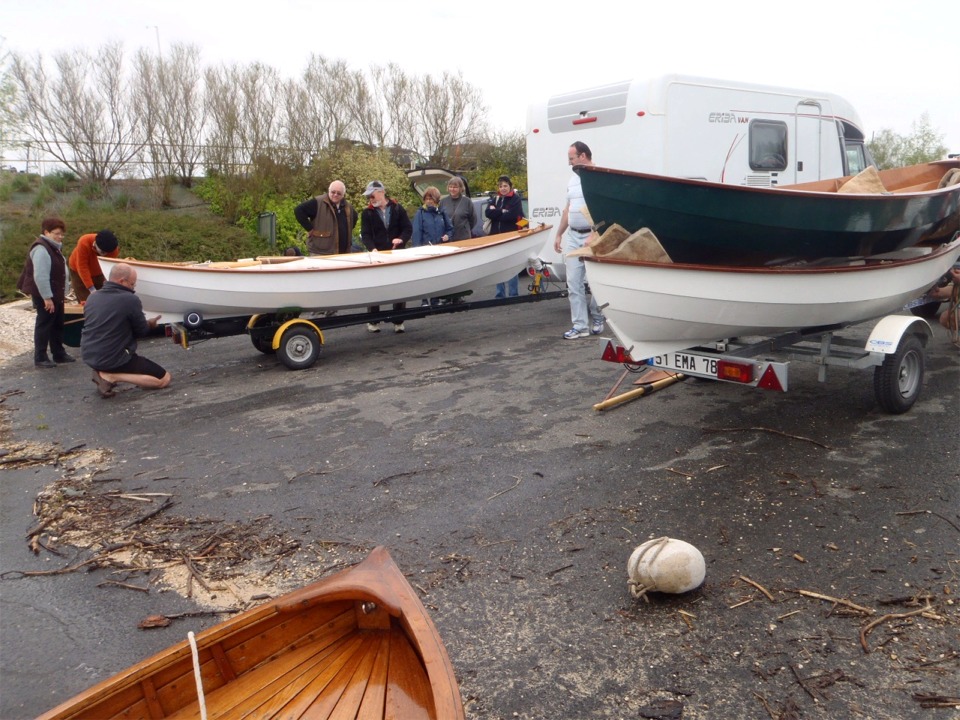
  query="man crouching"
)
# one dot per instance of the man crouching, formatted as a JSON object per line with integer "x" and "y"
{"x": 112, "y": 321}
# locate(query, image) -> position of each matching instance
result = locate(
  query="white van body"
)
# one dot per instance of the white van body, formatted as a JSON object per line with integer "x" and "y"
{"x": 690, "y": 127}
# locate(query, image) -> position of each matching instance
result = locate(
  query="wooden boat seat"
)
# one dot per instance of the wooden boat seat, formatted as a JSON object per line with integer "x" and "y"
{"x": 922, "y": 187}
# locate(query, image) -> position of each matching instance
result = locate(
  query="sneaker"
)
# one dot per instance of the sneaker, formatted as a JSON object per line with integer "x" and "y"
{"x": 574, "y": 334}
{"x": 65, "y": 358}
{"x": 398, "y": 328}
{"x": 598, "y": 326}
{"x": 373, "y": 327}
{"x": 44, "y": 363}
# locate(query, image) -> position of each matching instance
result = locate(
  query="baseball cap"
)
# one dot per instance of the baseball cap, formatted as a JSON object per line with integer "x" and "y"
{"x": 372, "y": 186}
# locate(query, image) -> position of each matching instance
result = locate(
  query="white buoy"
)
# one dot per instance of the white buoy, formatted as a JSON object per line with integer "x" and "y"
{"x": 665, "y": 565}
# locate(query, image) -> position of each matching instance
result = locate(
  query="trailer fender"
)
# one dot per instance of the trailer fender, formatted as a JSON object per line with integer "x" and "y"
{"x": 290, "y": 323}
{"x": 887, "y": 334}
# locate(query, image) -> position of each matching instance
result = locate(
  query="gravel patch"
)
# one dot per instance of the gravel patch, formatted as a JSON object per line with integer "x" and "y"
{"x": 17, "y": 320}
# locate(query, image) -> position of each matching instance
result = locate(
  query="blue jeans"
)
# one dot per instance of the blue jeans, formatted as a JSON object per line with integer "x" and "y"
{"x": 582, "y": 310}
{"x": 514, "y": 288}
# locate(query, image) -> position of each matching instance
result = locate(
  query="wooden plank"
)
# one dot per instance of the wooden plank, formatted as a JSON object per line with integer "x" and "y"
{"x": 374, "y": 700}
{"x": 318, "y": 698}
{"x": 150, "y": 696}
{"x": 409, "y": 694}
{"x": 264, "y": 691}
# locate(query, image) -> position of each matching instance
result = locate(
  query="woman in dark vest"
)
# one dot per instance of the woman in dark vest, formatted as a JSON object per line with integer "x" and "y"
{"x": 44, "y": 279}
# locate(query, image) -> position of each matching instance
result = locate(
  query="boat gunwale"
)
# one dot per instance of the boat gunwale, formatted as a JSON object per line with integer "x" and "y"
{"x": 465, "y": 246}
{"x": 796, "y": 190}
{"x": 879, "y": 264}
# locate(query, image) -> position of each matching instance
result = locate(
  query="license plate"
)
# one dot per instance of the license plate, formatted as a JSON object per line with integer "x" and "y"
{"x": 687, "y": 363}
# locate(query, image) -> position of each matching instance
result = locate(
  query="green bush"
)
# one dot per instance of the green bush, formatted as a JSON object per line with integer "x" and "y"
{"x": 23, "y": 182}
{"x": 43, "y": 197}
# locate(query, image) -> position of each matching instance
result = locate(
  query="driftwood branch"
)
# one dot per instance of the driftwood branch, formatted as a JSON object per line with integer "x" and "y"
{"x": 769, "y": 430}
{"x": 837, "y": 601}
{"x": 758, "y": 586}
{"x": 865, "y": 630}
{"x": 168, "y": 503}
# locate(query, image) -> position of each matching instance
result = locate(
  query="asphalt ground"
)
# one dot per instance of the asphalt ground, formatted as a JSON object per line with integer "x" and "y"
{"x": 469, "y": 446}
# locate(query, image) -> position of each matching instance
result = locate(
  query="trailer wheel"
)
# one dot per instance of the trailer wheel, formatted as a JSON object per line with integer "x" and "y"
{"x": 299, "y": 347}
{"x": 897, "y": 382}
{"x": 192, "y": 320}
{"x": 263, "y": 344}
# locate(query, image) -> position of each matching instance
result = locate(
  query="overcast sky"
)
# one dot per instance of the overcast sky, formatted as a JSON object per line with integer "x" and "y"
{"x": 893, "y": 61}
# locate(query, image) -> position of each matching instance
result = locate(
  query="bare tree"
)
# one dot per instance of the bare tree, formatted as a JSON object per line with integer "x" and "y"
{"x": 242, "y": 115}
{"x": 169, "y": 97}
{"x": 449, "y": 113}
{"x": 83, "y": 115}
{"x": 317, "y": 108}
{"x": 8, "y": 96}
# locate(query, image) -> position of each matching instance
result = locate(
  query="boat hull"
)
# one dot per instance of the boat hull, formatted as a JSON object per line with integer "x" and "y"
{"x": 356, "y": 644}
{"x": 659, "y": 308}
{"x": 220, "y": 290}
{"x": 714, "y": 223}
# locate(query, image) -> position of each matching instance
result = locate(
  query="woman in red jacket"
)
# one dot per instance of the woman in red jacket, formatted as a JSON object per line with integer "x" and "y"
{"x": 85, "y": 273}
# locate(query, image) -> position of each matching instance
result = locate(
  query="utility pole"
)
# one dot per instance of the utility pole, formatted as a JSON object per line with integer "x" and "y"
{"x": 157, "y": 30}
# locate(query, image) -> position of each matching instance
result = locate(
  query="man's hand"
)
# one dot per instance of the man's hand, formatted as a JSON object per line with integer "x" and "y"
{"x": 152, "y": 322}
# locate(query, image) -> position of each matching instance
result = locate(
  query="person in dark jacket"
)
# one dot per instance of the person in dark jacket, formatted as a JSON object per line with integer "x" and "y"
{"x": 431, "y": 226}
{"x": 505, "y": 211}
{"x": 112, "y": 321}
{"x": 44, "y": 279}
{"x": 329, "y": 221}
{"x": 384, "y": 225}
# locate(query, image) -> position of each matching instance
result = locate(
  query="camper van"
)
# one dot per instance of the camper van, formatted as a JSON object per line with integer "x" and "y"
{"x": 690, "y": 127}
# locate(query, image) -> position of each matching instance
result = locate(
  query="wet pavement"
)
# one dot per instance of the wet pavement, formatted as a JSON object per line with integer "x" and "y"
{"x": 469, "y": 446}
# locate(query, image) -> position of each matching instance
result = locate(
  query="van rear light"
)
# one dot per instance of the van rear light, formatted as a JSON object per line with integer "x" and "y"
{"x": 735, "y": 371}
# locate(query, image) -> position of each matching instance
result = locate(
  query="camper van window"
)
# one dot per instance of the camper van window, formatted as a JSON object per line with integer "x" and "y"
{"x": 856, "y": 162}
{"x": 768, "y": 145}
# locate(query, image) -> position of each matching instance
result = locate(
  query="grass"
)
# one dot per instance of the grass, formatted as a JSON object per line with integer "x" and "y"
{"x": 144, "y": 232}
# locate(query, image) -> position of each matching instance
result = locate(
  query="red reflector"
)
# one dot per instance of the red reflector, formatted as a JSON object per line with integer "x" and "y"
{"x": 584, "y": 121}
{"x": 735, "y": 372}
{"x": 615, "y": 353}
{"x": 536, "y": 130}
{"x": 641, "y": 113}
{"x": 769, "y": 380}
{"x": 546, "y": 272}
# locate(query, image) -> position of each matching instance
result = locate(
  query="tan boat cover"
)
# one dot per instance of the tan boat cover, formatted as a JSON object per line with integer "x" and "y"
{"x": 867, "y": 182}
{"x": 617, "y": 243}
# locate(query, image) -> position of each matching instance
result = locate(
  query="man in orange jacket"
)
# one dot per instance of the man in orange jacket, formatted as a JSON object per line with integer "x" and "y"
{"x": 85, "y": 273}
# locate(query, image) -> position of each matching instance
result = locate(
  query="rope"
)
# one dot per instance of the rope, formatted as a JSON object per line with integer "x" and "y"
{"x": 196, "y": 675}
{"x": 637, "y": 589}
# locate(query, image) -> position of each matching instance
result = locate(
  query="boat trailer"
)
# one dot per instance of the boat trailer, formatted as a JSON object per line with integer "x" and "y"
{"x": 894, "y": 349}
{"x": 297, "y": 340}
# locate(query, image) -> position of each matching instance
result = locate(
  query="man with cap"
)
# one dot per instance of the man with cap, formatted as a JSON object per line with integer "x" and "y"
{"x": 86, "y": 276}
{"x": 384, "y": 225}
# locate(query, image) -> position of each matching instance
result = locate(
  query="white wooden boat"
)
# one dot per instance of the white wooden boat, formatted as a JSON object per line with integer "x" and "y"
{"x": 657, "y": 308}
{"x": 332, "y": 282}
